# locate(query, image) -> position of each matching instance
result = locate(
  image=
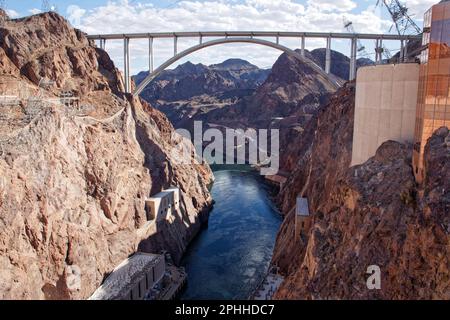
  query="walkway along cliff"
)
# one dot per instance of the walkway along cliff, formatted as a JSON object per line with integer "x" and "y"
{"x": 74, "y": 179}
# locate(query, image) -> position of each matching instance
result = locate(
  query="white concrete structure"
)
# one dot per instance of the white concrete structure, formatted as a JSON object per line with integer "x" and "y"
{"x": 385, "y": 107}
{"x": 163, "y": 204}
{"x": 133, "y": 278}
{"x": 302, "y": 207}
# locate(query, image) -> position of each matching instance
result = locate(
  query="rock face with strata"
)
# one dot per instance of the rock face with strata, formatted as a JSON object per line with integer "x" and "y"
{"x": 371, "y": 214}
{"x": 74, "y": 179}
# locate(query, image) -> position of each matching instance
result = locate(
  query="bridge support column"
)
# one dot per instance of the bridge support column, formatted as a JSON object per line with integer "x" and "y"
{"x": 126, "y": 64}
{"x": 353, "y": 60}
{"x": 201, "y": 39}
{"x": 402, "y": 51}
{"x": 378, "y": 51}
{"x": 302, "y": 50}
{"x": 405, "y": 52}
{"x": 150, "y": 54}
{"x": 102, "y": 44}
{"x": 175, "y": 45}
{"x": 328, "y": 56}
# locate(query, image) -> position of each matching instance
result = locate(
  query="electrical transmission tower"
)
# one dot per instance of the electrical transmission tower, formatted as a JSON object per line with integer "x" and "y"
{"x": 45, "y": 6}
{"x": 382, "y": 51}
{"x": 360, "y": 47}
{"x": 403, "y": 23}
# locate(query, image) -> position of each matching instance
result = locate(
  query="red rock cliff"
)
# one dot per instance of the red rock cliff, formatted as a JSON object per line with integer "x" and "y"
{"x": 372, "y": 214}
{"x": 73, "y": 179}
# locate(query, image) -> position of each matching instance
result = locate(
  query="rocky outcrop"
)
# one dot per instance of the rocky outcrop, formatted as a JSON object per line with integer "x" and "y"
{"x": 74, "y": 176}
{"x": 372, "y": 214}
{"x": 340, "y": 63}
{"x": 316, "y": 156}
{"x": 291, "y": 87}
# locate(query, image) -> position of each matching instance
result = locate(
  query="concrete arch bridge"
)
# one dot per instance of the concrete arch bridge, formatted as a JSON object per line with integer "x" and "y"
{"x": 248, "y": 37}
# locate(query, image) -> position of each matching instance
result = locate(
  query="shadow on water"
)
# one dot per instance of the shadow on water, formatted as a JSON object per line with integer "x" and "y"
{"x": 228, "y": 259}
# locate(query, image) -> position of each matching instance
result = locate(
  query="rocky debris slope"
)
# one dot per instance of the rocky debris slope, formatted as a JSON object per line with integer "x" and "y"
{"x": 73, "y": 180}
{"x": 372, "y": 214}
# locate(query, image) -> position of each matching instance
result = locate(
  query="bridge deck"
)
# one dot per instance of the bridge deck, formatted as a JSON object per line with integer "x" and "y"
{"x": 362, "y": 36}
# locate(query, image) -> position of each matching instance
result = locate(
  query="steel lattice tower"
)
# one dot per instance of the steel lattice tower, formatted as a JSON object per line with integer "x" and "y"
{"x": 403, "y": 23}
{"x": 45, "y": 6}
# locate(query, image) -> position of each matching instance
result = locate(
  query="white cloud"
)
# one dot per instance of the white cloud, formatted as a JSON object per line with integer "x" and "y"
{"x": 12, "y": 13}
{"x": 333, "y": 5}
{"x": 34, "y": 11}
{"x": 417, "y": 8}
{"x": 190, "y": 15}
{"x": 74, "y": 14}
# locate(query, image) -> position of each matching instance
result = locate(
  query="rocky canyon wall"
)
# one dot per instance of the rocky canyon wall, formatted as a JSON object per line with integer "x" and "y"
{"x": 372, "y": 214}
{"x": 74, "y": 177}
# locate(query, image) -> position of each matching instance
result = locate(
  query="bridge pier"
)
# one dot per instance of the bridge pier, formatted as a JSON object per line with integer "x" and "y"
{"x": 150, "y": 54}
{"x": 378, "y": 51}
{"x": 175, "y": 45}
{"x": 302, "y": 50}
{"x": 402, "y": 51}
{"x": 126, "y": 64}
{"x": 353, "y": 59}
{"x": 328, "y": 56}
{"x": 102, "y": 44}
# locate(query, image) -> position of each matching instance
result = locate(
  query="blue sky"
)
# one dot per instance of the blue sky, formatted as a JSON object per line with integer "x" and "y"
{"x": 120, "y": 16}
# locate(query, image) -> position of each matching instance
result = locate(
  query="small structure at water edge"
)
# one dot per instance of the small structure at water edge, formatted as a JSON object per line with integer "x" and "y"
{"x": 302, "y": 217}
{"x": 133, "y": 278}
{"x": 143, "y": 276}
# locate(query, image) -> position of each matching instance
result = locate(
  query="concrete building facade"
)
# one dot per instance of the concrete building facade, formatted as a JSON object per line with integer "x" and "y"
{"x": 385, "y": 107}
{"x": 433, "y": 103}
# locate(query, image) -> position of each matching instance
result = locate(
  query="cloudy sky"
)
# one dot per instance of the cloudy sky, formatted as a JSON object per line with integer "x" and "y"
{"x": 126, "y": 16}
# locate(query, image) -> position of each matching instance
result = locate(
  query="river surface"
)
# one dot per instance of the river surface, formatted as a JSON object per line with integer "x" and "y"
{"x": 229, "y": 258}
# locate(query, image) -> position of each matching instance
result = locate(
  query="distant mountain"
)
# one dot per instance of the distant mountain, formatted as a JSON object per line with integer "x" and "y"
{"x": 190, "y": 80}
{"x": 236, "y": 93}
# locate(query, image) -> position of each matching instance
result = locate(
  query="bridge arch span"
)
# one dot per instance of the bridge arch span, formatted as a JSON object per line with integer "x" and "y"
{"x": 216, "y": 42}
